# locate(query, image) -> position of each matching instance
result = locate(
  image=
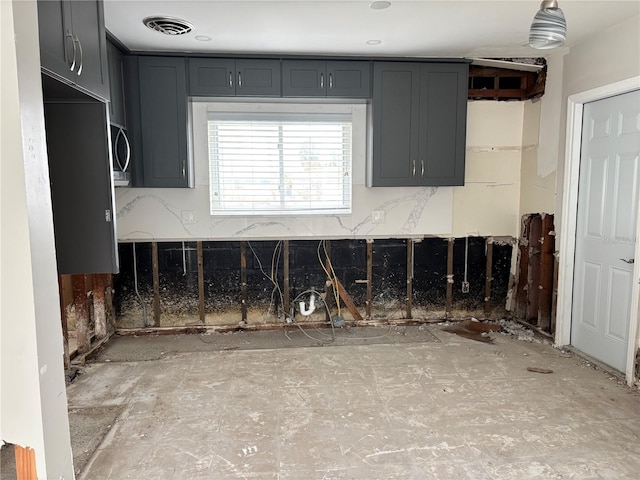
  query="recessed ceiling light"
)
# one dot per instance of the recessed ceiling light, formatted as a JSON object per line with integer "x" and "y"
{"x": 379, "y": 5}
{"x": 374, "y": 42}
{"x": 202, "y": 38}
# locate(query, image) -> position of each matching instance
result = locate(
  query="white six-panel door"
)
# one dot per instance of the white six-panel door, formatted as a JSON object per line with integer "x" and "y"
{"x": 606, "y": 228}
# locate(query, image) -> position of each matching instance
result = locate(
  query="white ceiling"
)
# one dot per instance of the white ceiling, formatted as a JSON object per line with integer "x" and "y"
{"x": 420, "y": 28}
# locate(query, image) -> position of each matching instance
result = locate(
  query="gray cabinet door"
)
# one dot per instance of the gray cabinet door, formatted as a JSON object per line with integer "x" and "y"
{"x": 443, "y": 120}
{"x": 304, "y": 78}
{"x": 223, "y": 77}
{"x": 163, "y": 121}
{"x": 56, "y": 38}
{"x": 73, "y": 43}
{"x": 396, "y": 116}
{"x": 212, "y": 77}
{"x": 258, "y": 78}
{"x": 117, "y": 114}
{"x": 349, "y": 79}
{"x": 88, "y": 26}
{"x": 81, "y": 188}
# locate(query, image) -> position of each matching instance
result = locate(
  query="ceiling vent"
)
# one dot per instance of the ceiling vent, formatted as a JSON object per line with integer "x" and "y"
{"x": 168, "y": 25}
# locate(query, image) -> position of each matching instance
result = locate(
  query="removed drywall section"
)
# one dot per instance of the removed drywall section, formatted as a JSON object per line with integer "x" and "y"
{"x": 253, "y": 291}
{"x": 488, "y": 203}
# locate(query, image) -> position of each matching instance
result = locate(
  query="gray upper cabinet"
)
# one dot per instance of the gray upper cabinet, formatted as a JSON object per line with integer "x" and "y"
{"x": 419, "y": 124}
{"x": 163, "y": 122}
{"x": 73, "y": 43}
{"x": 117, "y": 113}
{"x": 81, "y": 188}
{"x": 228, "y": 77}
{"x": 318, "y": 78}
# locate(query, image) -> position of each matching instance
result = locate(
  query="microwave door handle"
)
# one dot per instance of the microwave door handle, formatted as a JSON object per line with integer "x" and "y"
{"x": 126, "y": 142}
{"x": 116, "y": 154}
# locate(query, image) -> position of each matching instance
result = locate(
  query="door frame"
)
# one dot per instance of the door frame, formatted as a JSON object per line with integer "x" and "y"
{"x": 575, "y": 107}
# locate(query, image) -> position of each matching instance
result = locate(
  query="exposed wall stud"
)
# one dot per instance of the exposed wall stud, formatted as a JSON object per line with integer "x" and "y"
{"x": 554, "y": 297}
{"x": 409, "y": 277}
{"x": 369, "y": 276}
{"x": 99, "y": 305}
{"x": 488, "y": 276}
{"x": 243, "y": 280}
{"x": 200, "y": 282}
{"x": 547, "y": 246}
{"x": 449, "y": 301}
{"x": 533, "y": 284}
{"x": 286, "y": 287}
{"x": 522, "y": 274}
{"x": 156, "y": 284}
{"x": 328, "y": 289}
{"x": 108, "y": 298}
{"x": 82, "y": 313}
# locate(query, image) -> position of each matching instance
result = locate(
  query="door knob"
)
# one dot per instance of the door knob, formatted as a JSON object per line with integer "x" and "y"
{"x": 630, "y": 261}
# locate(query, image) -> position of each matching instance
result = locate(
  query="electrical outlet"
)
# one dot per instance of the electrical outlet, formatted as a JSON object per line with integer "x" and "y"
{"x": 188, "y": 216}
{"x": 377, "y": 216}
{"x": 465, "y": 287}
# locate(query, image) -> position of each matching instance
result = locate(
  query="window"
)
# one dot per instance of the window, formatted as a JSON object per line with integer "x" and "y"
{"x": 279, "y": 163}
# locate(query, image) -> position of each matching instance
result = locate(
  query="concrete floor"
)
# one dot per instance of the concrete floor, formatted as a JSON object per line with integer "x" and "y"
{"x": 417, "y": 403}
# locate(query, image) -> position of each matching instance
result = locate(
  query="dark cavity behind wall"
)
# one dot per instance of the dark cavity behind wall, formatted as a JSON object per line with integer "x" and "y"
{"x": 178, "y": 278}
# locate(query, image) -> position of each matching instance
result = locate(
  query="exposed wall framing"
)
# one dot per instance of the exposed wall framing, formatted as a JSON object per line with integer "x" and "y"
{"x": 536, "y": 282}
{"x": 248, "y": 283}
{"x": 87, "y": 314}
{"x": 490, "y": 83}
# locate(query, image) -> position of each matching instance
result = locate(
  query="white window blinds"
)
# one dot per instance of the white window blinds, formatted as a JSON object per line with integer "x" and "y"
{"x": 279, "y": 163}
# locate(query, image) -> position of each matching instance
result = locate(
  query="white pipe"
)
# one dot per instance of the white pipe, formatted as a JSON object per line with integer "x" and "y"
{"x": 312, "y": 306}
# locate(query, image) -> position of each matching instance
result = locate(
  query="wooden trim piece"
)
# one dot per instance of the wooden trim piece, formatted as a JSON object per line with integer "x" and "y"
{"x": 82, "y": 359}
{"x": 201, "y": 311}
{"x": 369, "y": 276}
{"x": 286, "y": 293}
{"x": 409, "y": 277}
{"x": 156, "y": 284}
{"x": 25, "y": 463}
{"x": 488, "y": 276}
{"x": 99, "y": 305}
{"x": 82, "y": 312}
{"x": 348, "y": 301}
{"x": 554, "y": 297}
{"x": 243, "y": 280}
{"x": 449, "y": 302}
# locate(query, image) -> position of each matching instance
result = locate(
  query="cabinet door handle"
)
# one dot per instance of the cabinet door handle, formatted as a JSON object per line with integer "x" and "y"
{"x": 330, "y": 81}
{"x": 240, "y": 79}
{"x": 230, "y": 80}
{"x": 81, "y": 55}
{"x": 422, "y": 168}
{"x": 184, "y": 169}
{"x": 413, "y": 174}
{"x": 322, "y": 80}
{"x": 73, "y": 43}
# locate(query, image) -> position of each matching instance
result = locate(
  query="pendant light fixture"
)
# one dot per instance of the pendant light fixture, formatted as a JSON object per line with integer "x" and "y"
{"x": 549, "y": 27}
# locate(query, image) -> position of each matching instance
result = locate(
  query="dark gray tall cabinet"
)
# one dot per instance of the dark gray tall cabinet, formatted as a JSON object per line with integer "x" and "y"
{"x": 419, "y": 124}
{"x": 81, "y": 188}
{"x": 73, "y": 43}
{"x": 157, "y": 105}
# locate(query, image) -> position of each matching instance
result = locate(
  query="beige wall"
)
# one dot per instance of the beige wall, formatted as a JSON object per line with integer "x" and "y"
{"x": 537, "y": 192}
{"x": 488, "y": 204}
